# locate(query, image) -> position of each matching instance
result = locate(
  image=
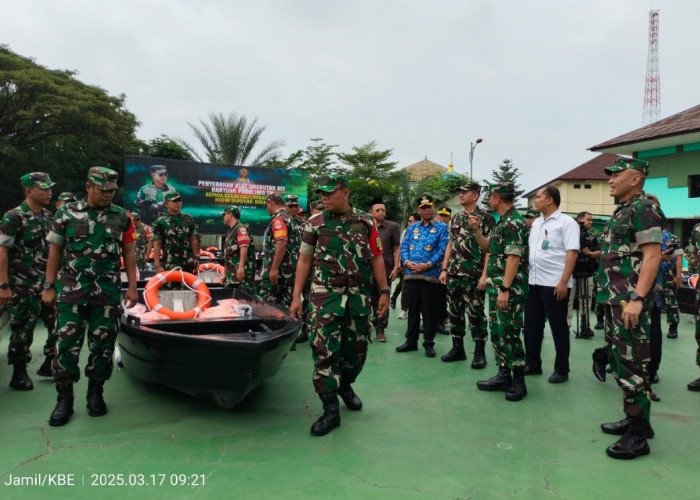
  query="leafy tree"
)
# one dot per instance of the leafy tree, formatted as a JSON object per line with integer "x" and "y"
{"x": 317, "y": 159}
{"x": 162, "y": 147}
{"x": 52, "y": 122}
{"x": 506, "y": 172}
{"x": 231, "y": 140}
{"x": 440, "y": 187}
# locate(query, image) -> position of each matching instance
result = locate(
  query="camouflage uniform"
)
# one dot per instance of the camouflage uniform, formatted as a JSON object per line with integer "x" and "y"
{"x": 695, "y": 238}
{"x": 509, "y": 237}
{"x": 175, "y": 233}
{"x": 142, "y": 235}
{"x": 23, "y": 233}
{"x": 282, "y": 226}
{"x": 463, "y": 272}
{"x": 238, "y": 237}
{"x": 150, "y": 199}
{"x": 342, "y": 246}
{"x": 689, "y": 254}
{"x": 634, "y": 223}
{"x": 88, "y": 286}
{"x": 669, "y": 292}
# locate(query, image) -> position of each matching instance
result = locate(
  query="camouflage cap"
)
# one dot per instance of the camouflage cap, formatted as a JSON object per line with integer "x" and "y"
{"x": 316, "y": 205}
{"x": 275, "y": 198}
{"x": 233, "y": 210}
{"x": 629, "y": 163}
{"x": 40, "y": 180}
{"x": 292, "y": 200}
{"x": 104, "y": 178}
{"x": 470, "y": 186}
{"x": 159, "y": 169}
{"x": 445, "y": 211}
{"x": 425, "y": 201}
{"x": 502, "y": 188}
{"x": 329, "y": 183}
{"x": 66, "y": 196}
{"x": 532, "y": 214}
{"x": 173, "y": 196}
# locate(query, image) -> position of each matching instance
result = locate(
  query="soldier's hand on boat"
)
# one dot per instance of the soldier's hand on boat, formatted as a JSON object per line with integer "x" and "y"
{"x": 383, "y": 305}
{"x": 131, "y": 297}
{"x": 295, "y": 308}
{"x": 48, "y": 297}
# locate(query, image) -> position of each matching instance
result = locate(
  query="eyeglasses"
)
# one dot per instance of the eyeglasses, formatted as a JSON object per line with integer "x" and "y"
{"x": 163, "y": 174}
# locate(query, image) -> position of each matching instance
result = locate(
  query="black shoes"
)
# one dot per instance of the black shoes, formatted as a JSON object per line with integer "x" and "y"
{"x": 429, "y": 351}
{"x": 457, "y": 352}
{"x": 533, "y": 371}
{"x": 392, "y": 303}
{"x": 64, "y": 406}
{"x": 694, "y": 385}
{"x": 302, "y": 337}
{"x": 518, "y": 389}
{"x": 331, "y": 415}
{"x": 499, "y": 382}
{"x": 620, "y": 427}
{"x": 479, "y": 360}
{"x": 351, "y": 400}
{"x": 654, "y": 397}
{"x": 95, "y": 403}
{"x": 45, "y": 368}
{"x": 599, "y": 325}
{"x": 672, "y": 332}
{"x": 20, "y": 379}
{"x": 557, "y": 378}
{"x": 600, "y": 361}
{"x": 407, "y": 346}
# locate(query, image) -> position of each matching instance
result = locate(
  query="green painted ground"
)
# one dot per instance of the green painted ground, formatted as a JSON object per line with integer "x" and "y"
{"x": 425, "y": 432}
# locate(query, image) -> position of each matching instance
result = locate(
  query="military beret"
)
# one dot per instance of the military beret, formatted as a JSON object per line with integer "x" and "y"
{"x": 40, "y": 180}
{"x": 104, "y": 178}
{"x": 329, "y": 183}
{"x": 629, "y": 163}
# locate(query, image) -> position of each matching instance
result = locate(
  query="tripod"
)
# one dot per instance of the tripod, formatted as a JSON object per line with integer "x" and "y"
{"x": 582, "y": 297}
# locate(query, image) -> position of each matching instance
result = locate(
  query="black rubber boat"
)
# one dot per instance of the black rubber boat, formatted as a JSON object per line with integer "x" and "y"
{"x": 220, "y": 360}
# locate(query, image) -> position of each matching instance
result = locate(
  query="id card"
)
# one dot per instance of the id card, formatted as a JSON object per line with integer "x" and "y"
{"x": 545, "y": 244}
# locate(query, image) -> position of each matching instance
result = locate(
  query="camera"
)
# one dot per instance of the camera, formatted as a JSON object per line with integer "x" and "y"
{"x": 585, "y": 266}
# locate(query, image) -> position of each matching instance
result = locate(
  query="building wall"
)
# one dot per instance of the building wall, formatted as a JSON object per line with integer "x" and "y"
{"x": 580, "y": 196}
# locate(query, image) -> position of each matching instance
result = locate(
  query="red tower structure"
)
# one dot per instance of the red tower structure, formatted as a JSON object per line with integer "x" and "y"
{"x": 652, "y": 87}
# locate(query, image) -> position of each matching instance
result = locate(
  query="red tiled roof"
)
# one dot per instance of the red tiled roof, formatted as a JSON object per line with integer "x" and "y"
{"x": 685, "y": 122}
{"x": 592, "y": 170}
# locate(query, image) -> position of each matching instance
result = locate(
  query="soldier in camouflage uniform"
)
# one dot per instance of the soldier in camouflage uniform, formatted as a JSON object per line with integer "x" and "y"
{"x": 689, "y": 254}
{"x": 280, "y": 253}
{"x": 671, "y": 269}
{"x": 23, "y": 255}
{"x": 505, "y": 281}
{"x": 65, "y": 197}
{"x": 461, "y": 269}
{"x": 176, "y": 235}
{"x": 342, "y": 247}
{"x": 631, "y": 247}
{"x": 143, "y": 241}
{"x": 87, "y": 239}
{"x": 695, "y": 241}
{"x": 240, "y": 270}
{"x": 150, "y": 199}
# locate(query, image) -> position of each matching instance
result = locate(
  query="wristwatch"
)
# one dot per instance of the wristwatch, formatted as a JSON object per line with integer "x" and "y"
{"x": 386, "y": 291}
{"x": 4, "y": 286}
{"x": 635, "y": 296}
{"x": 47, "y": 285}
{"x": 504, "y": 288}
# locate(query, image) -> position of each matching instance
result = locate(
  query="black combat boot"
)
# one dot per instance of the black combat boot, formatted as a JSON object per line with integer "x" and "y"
{"x": 620, "y": 427}
{"x": 457, "y": 352}
{"x": 331, "y": 414}
{"x": 633, "y": 443}
{"x": 351, "y": 400}
{"x": 499, "y": 382}
{"x": 95, "y": 403}
{"x": 20, "y": 379}
{"x": 45, "y": 368}
{"x": 672, "y": 331}
{"x": 64, "y": 406}
{"x": 518, "y": 389}
{"x": 694, "y": 385}
{"x": 600, "y": 361}
{"x": 479, "y": 360}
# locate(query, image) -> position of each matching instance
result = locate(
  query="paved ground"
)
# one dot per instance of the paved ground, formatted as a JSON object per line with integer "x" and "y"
{"x": 425, "y": 432}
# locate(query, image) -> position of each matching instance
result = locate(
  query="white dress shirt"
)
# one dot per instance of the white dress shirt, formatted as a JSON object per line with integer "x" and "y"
{"x": 561, "y": 234}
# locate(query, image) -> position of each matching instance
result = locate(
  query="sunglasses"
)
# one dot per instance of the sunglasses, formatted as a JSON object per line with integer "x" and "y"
{"x": 164, "y": 174}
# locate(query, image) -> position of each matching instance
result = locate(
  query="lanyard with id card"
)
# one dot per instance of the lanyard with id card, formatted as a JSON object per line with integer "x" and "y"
{"x": 545, "y": 242}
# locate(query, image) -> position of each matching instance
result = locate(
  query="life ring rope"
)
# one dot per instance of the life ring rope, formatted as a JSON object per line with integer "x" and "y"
{"x": 190, "y": 281}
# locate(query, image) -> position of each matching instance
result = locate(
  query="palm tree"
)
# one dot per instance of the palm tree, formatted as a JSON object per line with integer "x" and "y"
{"x": 231, "y": 141}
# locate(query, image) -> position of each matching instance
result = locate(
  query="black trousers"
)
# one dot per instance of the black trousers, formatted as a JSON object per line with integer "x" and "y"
{"x": 541, "y": 303}
{"x": 422, "y": 297}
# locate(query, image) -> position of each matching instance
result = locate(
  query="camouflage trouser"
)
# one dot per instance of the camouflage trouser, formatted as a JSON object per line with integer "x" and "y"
{"x": 505, "y": 326}
{"x": 629, "y": 353}
{"x": 307, "y": 310}
{"x": 281, "y": 292}
{"x": 24, "y": 314}
{"x": 102, "y": 323}
{"x": 463, "y": 296}
{"x": 339, "y": 345}
{"x": 669, "y": 294}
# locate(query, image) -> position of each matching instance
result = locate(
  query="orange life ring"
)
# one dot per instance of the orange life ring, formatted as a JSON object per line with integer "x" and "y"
{"x": 204, "y": 253}
{"x": 693, "y": 281}
{"x": 212, "y": 249}
{"x": 150, "y": 293}
{"x": 213, "y": 266}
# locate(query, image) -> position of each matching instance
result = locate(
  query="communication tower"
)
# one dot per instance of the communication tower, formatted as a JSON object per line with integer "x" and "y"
{"x": 652, "y": 87}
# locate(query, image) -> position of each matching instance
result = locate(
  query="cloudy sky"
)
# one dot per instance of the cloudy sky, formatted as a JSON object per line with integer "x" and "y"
{"x": 539, "y": 80}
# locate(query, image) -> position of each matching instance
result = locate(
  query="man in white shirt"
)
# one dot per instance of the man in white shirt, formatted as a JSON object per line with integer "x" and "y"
{"x": 554, "y": 246}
